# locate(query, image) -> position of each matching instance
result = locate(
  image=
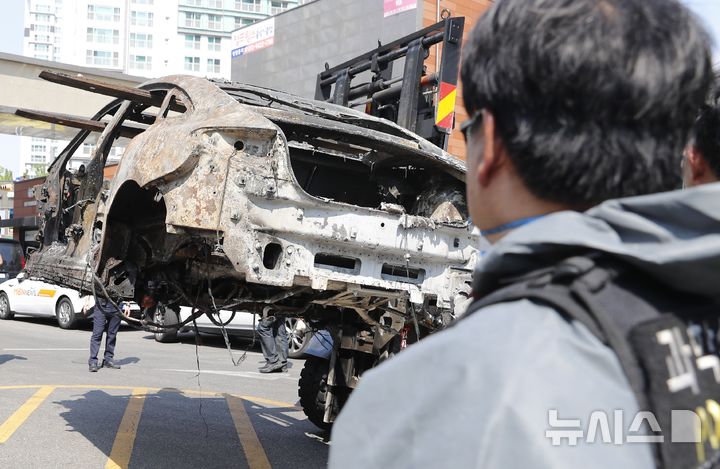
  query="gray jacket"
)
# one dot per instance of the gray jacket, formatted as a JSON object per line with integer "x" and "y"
{"x": 479, "y": 395}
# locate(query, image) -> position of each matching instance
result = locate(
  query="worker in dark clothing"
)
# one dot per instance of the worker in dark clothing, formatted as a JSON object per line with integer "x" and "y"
{"x": 274, "y": 344}
{"x": 105, "y": 316}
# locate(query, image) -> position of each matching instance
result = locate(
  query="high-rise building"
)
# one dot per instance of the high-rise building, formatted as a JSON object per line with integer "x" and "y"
{"x": 204, "y": 28}
{"x": 148, "y": 38}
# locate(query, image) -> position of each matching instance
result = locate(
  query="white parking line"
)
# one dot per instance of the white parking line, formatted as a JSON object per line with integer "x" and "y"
{"x": 44, "y": 349}
{"x": 240, "y": 374}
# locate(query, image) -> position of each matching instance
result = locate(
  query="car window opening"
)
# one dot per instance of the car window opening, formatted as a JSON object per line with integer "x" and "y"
{"x": 329, "y": 174}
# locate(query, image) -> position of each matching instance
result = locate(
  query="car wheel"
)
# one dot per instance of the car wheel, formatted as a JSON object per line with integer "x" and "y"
{"x": 312, "y": 390}
{"x": 164, "y": 315}
{"x": 65, "y": 313}
{"x": 5, "y": 311}
{"x": 298, "y": 336}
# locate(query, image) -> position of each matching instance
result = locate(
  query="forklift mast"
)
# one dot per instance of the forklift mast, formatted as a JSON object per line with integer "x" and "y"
{"x": 421, "y": 103}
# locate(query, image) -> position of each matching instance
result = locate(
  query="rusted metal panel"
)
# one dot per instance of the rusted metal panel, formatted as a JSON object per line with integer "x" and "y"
{"x": 108, "y": 89}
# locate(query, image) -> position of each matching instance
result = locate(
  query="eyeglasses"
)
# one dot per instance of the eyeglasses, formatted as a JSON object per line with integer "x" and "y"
{"x": 468, "y": 124}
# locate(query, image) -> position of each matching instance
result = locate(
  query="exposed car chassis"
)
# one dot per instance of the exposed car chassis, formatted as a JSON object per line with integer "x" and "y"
{"x": 237, "y": 197}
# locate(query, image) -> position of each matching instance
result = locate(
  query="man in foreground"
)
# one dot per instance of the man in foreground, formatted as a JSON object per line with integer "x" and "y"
{"x": 572, "y": 103}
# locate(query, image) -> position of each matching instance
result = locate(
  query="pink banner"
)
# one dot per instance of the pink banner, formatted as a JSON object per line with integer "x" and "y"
{"x": 393, "y": 7}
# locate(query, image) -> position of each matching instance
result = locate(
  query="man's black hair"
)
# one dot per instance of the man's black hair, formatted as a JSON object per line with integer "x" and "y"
{"x": 706, "y": 135}
{"x": 594, "y": 99}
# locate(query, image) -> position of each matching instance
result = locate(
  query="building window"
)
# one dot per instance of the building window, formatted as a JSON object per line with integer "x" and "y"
{"x": 143, "y": 2}
{"x": 41, "y": 28}
{"x": 193, "y": 20}
{"x": 42, "y": 18}
{"x": 43, "y": 8}
{"x": 213, "y": 65}
{"x": 192, "y": 3}
{"x": 103, "y": 36}
{"x": 214, "y": 43}
{"x": 141, "y": 18}
{"x": 192, "y": 41}
{"x": 241, "y": 22}
{"x": 278, "y": 7}
{"x": 141, "y": 62}
{"x": 215, "y": 3}
{"x": 103, "y": 13}
{"x": 42, "y": 48}
{"x": 214, "y": 22}
{"x": 192, "y": 64}
{"x": 37, "y": 158}
{"x": 42, "y": 38}
{"x": 248, "y": 5}
{"x": 38, "y": 148}
{"x": 101, "y": 57}
{"x": 143, "y": 41}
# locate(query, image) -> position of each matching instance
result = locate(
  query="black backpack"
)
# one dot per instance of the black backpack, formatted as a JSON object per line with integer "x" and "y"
{"x": 667, "y": 343}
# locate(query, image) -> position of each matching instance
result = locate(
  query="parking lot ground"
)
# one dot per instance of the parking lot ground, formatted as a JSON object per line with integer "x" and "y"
{"x": 152, "y": 413}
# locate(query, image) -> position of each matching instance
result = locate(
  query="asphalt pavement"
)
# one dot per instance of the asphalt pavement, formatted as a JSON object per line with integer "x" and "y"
{"x": 157, "y": 411}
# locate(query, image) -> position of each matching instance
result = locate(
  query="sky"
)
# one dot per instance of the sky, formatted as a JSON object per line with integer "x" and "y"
{"x": 709, "y": 13}
{"x": 11, "y": 37}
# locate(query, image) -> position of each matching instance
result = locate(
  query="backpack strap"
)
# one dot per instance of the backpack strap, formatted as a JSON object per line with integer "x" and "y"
{"x": 627, "y": 309}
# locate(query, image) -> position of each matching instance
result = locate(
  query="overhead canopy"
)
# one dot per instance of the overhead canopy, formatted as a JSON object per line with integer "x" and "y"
{"x": 20, "y": 87}
{"x": 22, "y": 126}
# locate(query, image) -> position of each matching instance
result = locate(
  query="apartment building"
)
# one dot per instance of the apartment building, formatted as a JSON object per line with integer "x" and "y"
{"x": 147, "y": 38}
{"x": 204, "y": 29}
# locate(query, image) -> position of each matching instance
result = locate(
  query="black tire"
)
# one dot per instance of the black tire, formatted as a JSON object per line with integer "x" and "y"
{"x": 65, "y": 313}
{"x": 312, "y": 389}
{"x": 165, "y": 315}
{"x": 298, "y": 336}
{"x": 5, "y": 311}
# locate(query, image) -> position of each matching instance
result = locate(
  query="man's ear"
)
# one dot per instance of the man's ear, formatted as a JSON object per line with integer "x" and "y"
{"x": 698, "y": 166}
{"x": 494, "y": 154}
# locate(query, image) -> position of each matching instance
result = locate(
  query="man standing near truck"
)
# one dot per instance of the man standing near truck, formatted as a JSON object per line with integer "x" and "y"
{"x": 106, "y": 319}
{"x": 274, "y": 343}
{"x": 572, "y": 103}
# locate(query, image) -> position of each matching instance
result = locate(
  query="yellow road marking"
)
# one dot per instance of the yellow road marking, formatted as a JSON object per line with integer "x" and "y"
{"x": 125, "y": 437}
{"x": 22, "y": 414}
{"x": 254, "y": 452}
{"x": 258, "y": 400}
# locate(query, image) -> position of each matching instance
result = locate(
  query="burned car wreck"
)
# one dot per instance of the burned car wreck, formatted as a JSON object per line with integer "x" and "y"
{"x": 237, "y": 197}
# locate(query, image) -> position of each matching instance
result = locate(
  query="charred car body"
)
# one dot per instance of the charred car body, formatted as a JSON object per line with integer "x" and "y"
{"x": 236, "y": 197}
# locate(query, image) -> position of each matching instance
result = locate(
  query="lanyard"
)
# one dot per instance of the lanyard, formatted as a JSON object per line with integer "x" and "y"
{"x": 511, "y": 225}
